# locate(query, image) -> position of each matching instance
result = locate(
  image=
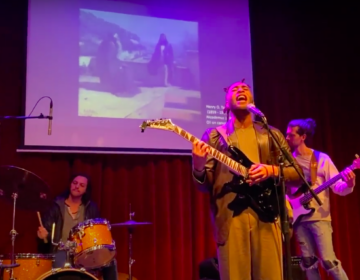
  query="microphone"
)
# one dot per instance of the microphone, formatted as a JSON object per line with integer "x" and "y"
{"x": 252, "y": 109}
{"x": 50, "y": 118}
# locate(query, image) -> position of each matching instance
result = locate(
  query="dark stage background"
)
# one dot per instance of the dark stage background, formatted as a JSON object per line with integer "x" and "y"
{"x": 306, "y": 64}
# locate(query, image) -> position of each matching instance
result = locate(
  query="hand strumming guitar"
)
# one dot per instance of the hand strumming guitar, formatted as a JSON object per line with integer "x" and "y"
{"x": 261, "y": 172}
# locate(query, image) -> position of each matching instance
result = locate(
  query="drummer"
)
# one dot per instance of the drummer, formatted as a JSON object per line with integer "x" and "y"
{"x": 69, "y": 209}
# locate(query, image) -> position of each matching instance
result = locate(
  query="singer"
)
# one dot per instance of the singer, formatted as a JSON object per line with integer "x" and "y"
{"x": 248, "y": 245}
{"x": 69, "y": 209}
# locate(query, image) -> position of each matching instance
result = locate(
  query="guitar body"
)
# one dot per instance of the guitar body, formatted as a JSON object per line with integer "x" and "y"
{"x": 299, "y": 210}
{"x": 261, "y": 197}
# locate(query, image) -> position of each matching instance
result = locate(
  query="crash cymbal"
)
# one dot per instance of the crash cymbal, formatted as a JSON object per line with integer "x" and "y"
{"x": 130, "y": 224}
{"x": 32, "y": 192}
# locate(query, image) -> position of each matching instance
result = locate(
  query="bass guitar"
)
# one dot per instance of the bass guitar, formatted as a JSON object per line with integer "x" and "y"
{"x": 262, "y": 197}
{"x": 300, "y": 202}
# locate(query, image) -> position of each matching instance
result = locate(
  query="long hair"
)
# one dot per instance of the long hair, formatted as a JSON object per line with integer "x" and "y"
{"x": 87, "y": 195}
{"x": 304, "y": 127}
{"x": 162, "y": 40}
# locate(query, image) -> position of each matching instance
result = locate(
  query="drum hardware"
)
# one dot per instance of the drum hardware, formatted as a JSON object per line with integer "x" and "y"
{"x": 130, "y": 225}
{"x": 24, "y": 190}
{"x": 68, "y": 246}
{"x": 6, "y": 266}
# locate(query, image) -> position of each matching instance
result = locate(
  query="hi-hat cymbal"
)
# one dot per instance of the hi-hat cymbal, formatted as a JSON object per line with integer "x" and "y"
{"x": 130, "y": 224}
{"x": 32, "y": 192}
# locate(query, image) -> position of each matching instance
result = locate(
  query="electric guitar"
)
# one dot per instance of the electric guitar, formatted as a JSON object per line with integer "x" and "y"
{"x": 262, "y": 197}
{"x": 300, "y": 202}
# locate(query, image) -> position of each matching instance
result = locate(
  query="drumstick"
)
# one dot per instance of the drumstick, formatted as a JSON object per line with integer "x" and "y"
{"x": 41, "y": 224}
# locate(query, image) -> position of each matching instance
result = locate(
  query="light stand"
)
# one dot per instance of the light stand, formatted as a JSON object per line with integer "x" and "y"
{"x": 285, "y": 155}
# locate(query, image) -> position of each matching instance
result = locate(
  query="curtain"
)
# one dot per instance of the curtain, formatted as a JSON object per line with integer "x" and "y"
{"x": 305, "y": 65}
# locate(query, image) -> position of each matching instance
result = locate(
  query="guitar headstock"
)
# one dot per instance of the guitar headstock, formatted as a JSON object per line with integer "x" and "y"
{"x": 356, "y": 162}
{"x": 164, "y": 124}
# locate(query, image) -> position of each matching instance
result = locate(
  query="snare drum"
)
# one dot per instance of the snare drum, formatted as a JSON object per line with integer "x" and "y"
{"x": 31, "y": 266}
{"x": 66, "y": 273}
{"x": 95, "y": 246}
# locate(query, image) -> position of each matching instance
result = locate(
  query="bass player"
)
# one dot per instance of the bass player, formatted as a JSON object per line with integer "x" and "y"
{"x": 248, "y": 244}
{"x": 314, "y": 231}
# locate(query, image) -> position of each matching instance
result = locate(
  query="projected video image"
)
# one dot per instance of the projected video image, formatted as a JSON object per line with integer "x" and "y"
{"x": 138, "y": 67}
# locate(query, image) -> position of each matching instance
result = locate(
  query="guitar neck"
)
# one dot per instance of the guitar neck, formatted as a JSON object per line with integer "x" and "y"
{"x": 323, "y": 187}
{"x": 229, "y": 162}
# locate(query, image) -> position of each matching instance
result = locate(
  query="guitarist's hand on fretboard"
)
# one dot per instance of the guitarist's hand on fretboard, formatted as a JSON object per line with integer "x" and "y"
{"x": 349, "y": 177}
{"x": 200, "y": 151}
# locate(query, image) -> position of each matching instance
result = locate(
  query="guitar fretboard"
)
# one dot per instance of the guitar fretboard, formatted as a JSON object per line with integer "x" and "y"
{"x": 307, "y": 197}
{"x": 229, "y": 162}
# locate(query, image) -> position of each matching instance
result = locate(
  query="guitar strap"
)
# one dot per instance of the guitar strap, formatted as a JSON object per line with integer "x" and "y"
{"x": 314, "y": 162}
{"x": 223, "y": 132}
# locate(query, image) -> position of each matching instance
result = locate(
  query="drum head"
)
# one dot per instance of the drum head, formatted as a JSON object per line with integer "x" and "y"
{"x": 89, "y": 223}
{"x": 67, "y": 274}
{"x": 95, "y": 257}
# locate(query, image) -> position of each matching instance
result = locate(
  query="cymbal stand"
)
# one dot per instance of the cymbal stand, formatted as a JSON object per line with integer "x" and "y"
{"x": 13, "y": 234}
{"x": 130, "y": 232}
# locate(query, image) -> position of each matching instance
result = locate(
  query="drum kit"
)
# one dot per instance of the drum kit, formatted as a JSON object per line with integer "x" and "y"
{"x": 90, "y": 245}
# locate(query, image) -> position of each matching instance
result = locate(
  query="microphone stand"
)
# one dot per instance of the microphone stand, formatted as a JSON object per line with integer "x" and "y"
{"x": 285, "y": 155}
{"x": 41, "y": 116}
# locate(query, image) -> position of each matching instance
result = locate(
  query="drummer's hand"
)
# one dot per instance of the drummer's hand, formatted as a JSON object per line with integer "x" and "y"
{"x": 42, "y": 233}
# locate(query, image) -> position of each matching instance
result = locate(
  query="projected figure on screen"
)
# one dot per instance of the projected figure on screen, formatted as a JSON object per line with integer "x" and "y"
{"x": 107, "y": 62}
{"x": 114, "y": 76}
{"x": 162, "y": 58}
{"x": 118, "y": 45}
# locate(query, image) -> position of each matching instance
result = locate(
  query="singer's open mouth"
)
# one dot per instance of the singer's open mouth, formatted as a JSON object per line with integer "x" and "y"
{"x": 241, "y": 97}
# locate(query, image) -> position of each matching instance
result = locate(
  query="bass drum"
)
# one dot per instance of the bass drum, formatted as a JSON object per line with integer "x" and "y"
{"x": 67, "y": 274}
